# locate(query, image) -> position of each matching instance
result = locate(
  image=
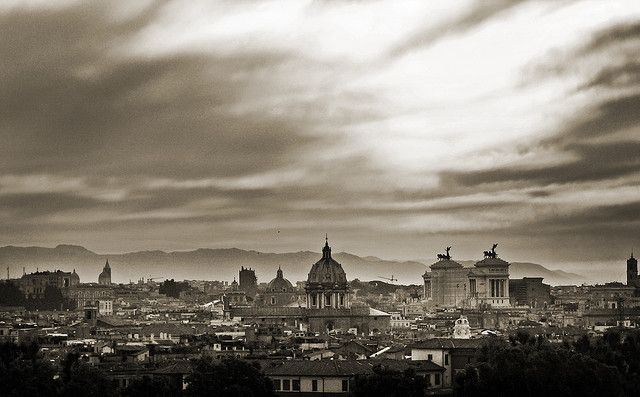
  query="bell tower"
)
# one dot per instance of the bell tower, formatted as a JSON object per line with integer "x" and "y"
{"x": 632, "y": 271}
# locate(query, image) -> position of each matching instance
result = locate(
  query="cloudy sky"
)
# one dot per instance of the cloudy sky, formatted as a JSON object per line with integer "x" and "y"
{"x": 396, "y": 127}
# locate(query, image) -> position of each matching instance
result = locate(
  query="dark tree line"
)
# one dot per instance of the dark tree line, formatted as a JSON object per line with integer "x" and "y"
{"x": 529, "y": 366}
{"x": 173, "y": 288}
{"x": 228, "y": 378}
{"x": 389, "y": 383}
{"x": 24, "y": 373}
{"x": 10, "y": 294}
{"x": 522, "y": 366}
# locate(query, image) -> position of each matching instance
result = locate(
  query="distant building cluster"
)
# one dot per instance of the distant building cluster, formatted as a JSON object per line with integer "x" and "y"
{"x": 324, "y": 307}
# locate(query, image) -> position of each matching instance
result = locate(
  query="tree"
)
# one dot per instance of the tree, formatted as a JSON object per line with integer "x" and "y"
{"x": 228, "y": 378}
{"x": 390, "y": 383}
{"x": 618, "y": 350}
{"x": 173, "y": 288}
{"x": 533, "y": 367}
{"x": 10, "y": 294}
{"x": 53, "y": 298}
{"x": 150, "y": 387}
{"x": 24, "y": 373}
{"x": 83, "y": 380}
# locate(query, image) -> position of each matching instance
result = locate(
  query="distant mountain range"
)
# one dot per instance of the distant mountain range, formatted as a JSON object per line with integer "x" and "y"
{"x": 224, "y": 263}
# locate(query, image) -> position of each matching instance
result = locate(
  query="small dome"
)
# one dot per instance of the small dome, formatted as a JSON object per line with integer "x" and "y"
{"x": 280, "y": 284}
{"x": 327, "y": 271}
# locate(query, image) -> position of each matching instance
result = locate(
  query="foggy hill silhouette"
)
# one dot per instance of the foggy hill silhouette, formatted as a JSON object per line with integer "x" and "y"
{"x": 224, "y": 263}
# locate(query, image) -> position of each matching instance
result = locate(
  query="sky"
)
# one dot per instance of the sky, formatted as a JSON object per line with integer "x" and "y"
{"x": 396, "y": 127}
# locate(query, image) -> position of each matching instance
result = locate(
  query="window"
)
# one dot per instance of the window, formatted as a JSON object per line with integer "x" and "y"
{"x": 286, "y": 384}
{"x": 437, "y": 380}
{"x": 345, "y": 384}
{"x": 446, "y": 359}
{"x": 314, "y": 300}
{"x": 295, "y": 385}
{"x": 314, "y": 385}
{"x": 327, "y": 300}
{"x": 277, "y": 384}
{"x": 273, "y": 300}
{"x": 430, "y": 357}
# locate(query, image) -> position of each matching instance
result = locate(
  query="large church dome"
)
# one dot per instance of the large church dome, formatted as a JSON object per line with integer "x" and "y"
{"x": 327, "y": 272}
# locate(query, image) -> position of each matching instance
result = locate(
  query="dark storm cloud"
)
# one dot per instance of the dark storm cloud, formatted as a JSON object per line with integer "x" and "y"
{"x": 27, "y": 206}
{"x": 622, "y": 42}
{"x": 619, "y": 76}
{"x": 477, "y": 14}
{"x": 594, "y": 162}
{"x": 618, "y": 45}
{"x": 589, "y": 221}
{"x": 70, "y": 102}
{"x": 612, "y": 37}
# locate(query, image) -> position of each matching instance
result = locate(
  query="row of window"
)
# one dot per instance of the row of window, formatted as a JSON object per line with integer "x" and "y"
{"x": 294, "y": 384}
{"x": 287, "y": 384}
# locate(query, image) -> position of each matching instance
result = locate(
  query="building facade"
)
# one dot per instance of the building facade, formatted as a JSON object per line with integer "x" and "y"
{"x": 486, "y": 284}
{"x": 95, "y": 295}
{"x": 530, "y": 291}
{"x": 33, "y": 285}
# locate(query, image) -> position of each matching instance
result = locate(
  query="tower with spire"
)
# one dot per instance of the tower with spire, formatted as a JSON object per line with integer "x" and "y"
{"x": 105, "y": 277}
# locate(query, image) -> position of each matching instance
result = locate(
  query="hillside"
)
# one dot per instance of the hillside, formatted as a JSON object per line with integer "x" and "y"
{"x": 223, "y": 264}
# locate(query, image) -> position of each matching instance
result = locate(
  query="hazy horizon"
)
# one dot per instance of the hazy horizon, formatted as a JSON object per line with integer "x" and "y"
{"x": 591, "y": 271}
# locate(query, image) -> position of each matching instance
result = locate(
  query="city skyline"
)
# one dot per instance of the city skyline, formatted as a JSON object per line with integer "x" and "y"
{"x": 397, "y": 130}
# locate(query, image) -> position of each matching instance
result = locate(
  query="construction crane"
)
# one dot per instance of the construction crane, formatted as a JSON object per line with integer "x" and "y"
{"x": 392, "y": 279}
{"x": 154, "y": 278}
